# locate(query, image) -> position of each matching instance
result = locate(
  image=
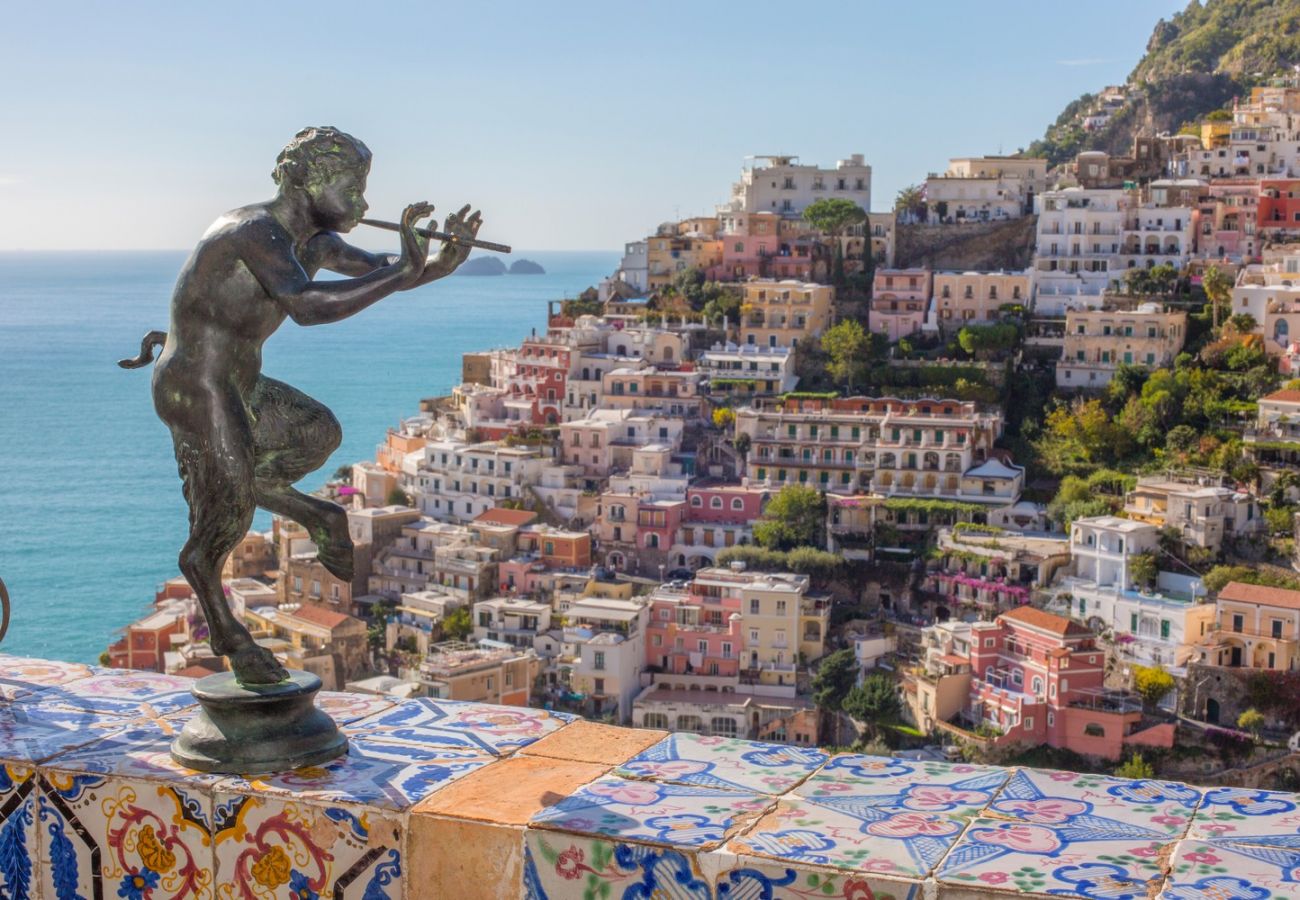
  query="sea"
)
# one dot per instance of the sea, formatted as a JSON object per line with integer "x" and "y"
{"x": 91, "y": 513}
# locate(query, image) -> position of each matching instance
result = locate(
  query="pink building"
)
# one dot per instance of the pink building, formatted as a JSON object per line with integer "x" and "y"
{"x": 1038, "y": 680}
{"x": 1228, "y": 218}
{"x": 899, "y": 298}
{"x": 729, "y": 504}
{"x": 541, "y": 375}
{"x": 692, "y": 633}
{"x": 753, "y": 239}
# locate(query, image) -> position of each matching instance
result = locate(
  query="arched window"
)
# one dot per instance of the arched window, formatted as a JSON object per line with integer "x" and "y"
{"x": 715, "y": 503}
{"x": 1281, "y": 330}
{"x": 723, "y": 726}
{"x": 737, "y": 503}
{"x": 654, "y": 720}
{"x": 697, "y": 500}
{"x": 688, "y": 723}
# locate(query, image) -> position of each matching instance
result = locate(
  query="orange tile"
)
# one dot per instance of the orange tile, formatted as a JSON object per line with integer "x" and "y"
{"x": 509, "y": 791}
{"x": 466, "y": 860}
{"x": 591, "y": 742}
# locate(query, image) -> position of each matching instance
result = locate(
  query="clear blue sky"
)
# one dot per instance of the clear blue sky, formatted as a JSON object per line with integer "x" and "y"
{"x": 573, "y": 125}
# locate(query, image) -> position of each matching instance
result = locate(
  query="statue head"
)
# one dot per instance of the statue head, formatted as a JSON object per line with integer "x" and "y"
{"x": 316, "y": 156}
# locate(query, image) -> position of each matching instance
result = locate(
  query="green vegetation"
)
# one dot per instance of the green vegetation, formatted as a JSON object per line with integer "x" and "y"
{"x": 874, "y": 702}
{"x": 818, "y": 565}
{"x": 1216, "y": 578}
{"x": 1136, "y": 767}
{"x": 844, "y": 342}
{"x": 834, "y": 680}
{"x": 795, "y": 517}
{"x": 910, "y": 201}
{"x": 458, "y": 624}
{"x": 1251, "y": 720}
{"x": 397, "y": 497}
{"x": 1151, "y": 684}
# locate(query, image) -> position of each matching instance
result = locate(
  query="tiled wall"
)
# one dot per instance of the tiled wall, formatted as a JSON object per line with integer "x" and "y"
{"x": 458, "y": 800}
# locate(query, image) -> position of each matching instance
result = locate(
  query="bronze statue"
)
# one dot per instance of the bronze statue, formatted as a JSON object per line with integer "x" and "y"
{"x": 243, "y": 439}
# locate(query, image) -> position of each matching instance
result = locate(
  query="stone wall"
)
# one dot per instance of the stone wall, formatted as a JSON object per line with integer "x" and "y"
{"x": 440, "y": 799}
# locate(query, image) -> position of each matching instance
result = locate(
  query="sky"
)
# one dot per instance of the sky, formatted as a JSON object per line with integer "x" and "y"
{"x": 573, "y": 126}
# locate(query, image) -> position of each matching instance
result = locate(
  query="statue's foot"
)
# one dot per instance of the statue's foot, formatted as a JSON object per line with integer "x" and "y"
{"x": 337, "y": 557}
{"x": 256, "y": 665}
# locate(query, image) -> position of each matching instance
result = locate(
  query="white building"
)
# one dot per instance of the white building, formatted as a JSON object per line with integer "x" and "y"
{"x": 985, "y": 188}
{"x": 779, "y": 184}
{"x": 1078, "y": 247}
{"x": 634, "y": 268}
{"x": 1102, "y": 545}
{"x": 458, "y": 481}
{"x": 1158, "y": 235}
{"x": 511, "y": 620}
{"x": 771, "y": 369}
{"x": 1147, "y": 627}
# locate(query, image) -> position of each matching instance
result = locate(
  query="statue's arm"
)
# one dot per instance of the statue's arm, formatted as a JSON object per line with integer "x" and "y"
{"x": 267, "y": 252}
{"x": 338, "y": 255}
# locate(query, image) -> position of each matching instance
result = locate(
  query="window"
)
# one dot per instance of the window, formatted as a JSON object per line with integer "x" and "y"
{"x": 697, "y": 501}
{"x": 988, "y": 642}
{"x": 1029, "y": 723}
{"x": 780, "y": 607}
{"x": 1051, "y": 719}
{"x": 753, "y": 607}
{"x": 1164, "y": 629}
{"x": 598, "y": 660}
{"x": 1277, "y": 628}
{"x": 715, "y": 503}
{"x": 1093, "y": 729}
{"x": 737, "y": 503}
{"x": 1237, "y": 622}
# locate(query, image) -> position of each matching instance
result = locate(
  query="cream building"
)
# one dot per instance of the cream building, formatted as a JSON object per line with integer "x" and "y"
{"x": 1078, "y": 245}
{"x": 1254, "y": 627}
{"x": 781, "y": 185}
{"x": 1099, "y": 341}
{"x": 1203, "y": 513}
{"x": 985, "y": 188}
{"x": 974, "y": 298}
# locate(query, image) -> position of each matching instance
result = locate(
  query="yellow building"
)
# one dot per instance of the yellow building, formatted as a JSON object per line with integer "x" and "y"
{"x": 1099, "y": 341}
{"x": 669, "y": 254}
{"x": 1215, "y": 134}
{"x": 1255, "y": 627}
{"x": 782, "y": 313}
{"x": 455, "y": 670}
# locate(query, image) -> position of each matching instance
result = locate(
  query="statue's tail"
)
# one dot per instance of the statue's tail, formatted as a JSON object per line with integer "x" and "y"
{"x": 151, "y": 340}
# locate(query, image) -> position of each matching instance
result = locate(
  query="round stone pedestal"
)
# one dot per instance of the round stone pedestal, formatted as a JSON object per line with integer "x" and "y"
{"x": 256, "y": 729}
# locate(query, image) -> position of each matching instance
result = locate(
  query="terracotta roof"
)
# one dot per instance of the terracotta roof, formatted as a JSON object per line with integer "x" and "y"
{"x": 1290, "y": 395}
{"x": 1257, "y": 593}
{"x": 195, "y": 672}
{"x": 501, "y": 516}
{"x": 318, "y": 615}
{"x": 1037, "y": 618}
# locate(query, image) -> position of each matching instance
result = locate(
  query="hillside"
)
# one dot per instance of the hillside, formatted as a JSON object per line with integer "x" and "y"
{"x": 1194, "y": 64}
{"x": 989, "y": 245}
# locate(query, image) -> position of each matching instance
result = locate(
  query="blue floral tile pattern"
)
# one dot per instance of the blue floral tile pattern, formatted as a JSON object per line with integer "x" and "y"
{"x": 481, "y": 727}
{"x": 140, "y": 751}
{"x": 1228, "y": 870}
{"x": 21, "y": 676}
{"x": 19, "y": 834}
{"x": 374, "y": 773}
{"x": 724, "y": 763}
{"x": 347, "y": 708}
{"x": 1047, "y": 797}
{"x": 123, "y": 693}
{"x": 750, "y": 879}
{"x": 887, "y": 840}
{"x": 1245, "y": 814}
{"x": 681, "y": 815}
{"x": 870, "y": 788}
{"x": 562, "y": 866}
{"x": 31, "y": 734}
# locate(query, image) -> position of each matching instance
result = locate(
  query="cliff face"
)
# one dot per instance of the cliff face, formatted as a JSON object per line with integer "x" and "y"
{"x": 1195, "y": 63}
{"x": 992, "y": 245}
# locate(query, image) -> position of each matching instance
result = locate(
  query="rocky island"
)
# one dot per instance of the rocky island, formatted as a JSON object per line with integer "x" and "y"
{"x": 526, "y": 267}
{"x": 484, "y": 265}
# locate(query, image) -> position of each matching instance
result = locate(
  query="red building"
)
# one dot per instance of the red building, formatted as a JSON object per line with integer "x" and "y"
{"x": 146, "y": 642}
{"x": 542, "y": 374}
{"x": 1037, "y": 679}
{"x": 1279, "y": 204}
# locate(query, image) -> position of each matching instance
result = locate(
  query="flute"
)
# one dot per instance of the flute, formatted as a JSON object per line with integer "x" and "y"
{"x": 440, "y": 236}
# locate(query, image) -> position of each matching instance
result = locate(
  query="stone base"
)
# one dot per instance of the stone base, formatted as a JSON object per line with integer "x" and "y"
{"x": 257, "y": 729}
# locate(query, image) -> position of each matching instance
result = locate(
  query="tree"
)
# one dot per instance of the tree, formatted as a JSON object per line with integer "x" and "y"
{"x": 1136, "y": 767}
{"x": 834, "y": 679}
{"x": 457, "y": 624}
{"x": 723, "y": 417}
{"x": 832, "y": 216}
{"x": 1151, "y": 684}
{"x": 342, "y": 473}
{"x": 377, "y": 632}
{"x": 982, "y": 340}
{"x": 845, "y": 342}
{"x": 1218, "y": 290}
{"x": 397, "y": 497}
{"x": 874, "y": 701}
{"x": 910, "y": 202}
{"x": 1251, "y": 720}
{"x": 795, "y": 517}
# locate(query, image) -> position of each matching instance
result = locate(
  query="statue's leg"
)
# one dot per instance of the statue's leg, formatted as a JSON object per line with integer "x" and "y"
{"x": 294, "y": 435}
{"x": 217, "y": 477}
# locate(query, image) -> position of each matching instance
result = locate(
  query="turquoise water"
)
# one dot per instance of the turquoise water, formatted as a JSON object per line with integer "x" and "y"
{"x": 91, "y": 515}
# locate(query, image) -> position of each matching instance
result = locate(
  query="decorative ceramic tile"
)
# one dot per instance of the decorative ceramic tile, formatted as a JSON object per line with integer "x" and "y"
{"x": 884, "y": 840}
{"x": 870, "y": 787}
{"x": 29, "y": 735}
{"x": 107, "y": 836}
{"x": 1243, "y": 814}
{"x": 682, "y": 815}
{"x": 472, "y": 726}
{"x": 20, "y": 676}
{"x": 751, "y": 879}
{"x": 1083, "y": 856}
{"x": 277, "y": 847}
{"x": 561, "y": 866}
{"x": 344, "y": 708}
{"x": 373, "y": 773}
{"x": 1043, "y": 797}
{"x": 724, "y": 763}
{"x": 1227, "y": 870}
{"x": 121, "y": 693}
{"x": 142, "y": 751}
{"x": 19, "y": 834}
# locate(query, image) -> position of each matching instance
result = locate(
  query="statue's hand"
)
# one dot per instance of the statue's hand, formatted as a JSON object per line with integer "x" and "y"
{"x": 415, "y": 247}
{"x": 462, "y": 225}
